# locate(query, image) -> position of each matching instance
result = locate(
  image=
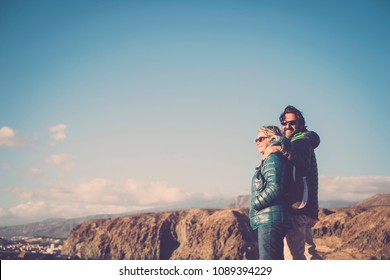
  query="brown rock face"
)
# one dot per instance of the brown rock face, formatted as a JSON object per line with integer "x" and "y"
{"x": 190, "y": 234}
{"x": 355, "y": 232}
{"x": 359, "y": 232}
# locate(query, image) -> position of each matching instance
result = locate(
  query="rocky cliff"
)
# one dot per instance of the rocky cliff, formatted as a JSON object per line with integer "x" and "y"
{"x": 354, "y": 232}
{"x": 359, "y": 232}
{"x": 188, "y": 234}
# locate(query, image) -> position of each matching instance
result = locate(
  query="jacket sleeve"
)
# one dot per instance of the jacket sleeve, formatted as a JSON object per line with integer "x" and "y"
{"x": 313, "y": 138}
{"x": 273, "y": 174}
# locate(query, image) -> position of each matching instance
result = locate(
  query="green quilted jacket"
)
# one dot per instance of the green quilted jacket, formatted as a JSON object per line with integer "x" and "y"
{"x": 268, "y": 204}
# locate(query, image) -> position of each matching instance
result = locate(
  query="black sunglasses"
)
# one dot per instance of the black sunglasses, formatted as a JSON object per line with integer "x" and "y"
{"x": 285, "y": 123}
{"x": 260, "y": 139}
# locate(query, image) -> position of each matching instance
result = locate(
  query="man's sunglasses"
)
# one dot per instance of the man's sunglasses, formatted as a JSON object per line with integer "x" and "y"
{"x": 285, "y": 123}
{"x": 260, "y": 139}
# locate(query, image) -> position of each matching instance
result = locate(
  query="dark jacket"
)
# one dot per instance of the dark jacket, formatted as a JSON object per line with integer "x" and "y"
{"x": 268, "y": 204}
{"x": 300, "y": 151}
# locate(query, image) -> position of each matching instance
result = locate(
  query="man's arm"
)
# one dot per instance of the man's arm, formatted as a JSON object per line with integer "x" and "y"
{"x": 299, "y": 151}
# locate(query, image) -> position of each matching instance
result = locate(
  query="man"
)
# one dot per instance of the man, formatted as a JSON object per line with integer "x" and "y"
{"x": 300, "y": 150}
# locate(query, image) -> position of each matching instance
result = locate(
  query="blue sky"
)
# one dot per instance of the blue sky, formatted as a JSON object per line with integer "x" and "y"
{"x": 113, "y": 106}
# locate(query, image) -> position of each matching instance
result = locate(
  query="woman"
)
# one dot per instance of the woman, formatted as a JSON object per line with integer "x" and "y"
{"x": 269, "y": 213}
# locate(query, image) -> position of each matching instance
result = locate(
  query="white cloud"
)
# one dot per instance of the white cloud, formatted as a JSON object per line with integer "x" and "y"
{"x": 57, "y": 159}
{"x": 8, "y": 138}
{"x": 102, "y": 191}
{"x": 97, "y": 191}
{"x": 154, "y": 193}
{"x": 70, "y": 165}
{"x": 353, "y": 188}
{"x": 58, "y": 132}
{"x": 29, "y": 209}
{"x": 34, "y": 172}
{"x": 63, "y": 160}
{"x": 96, "y": 196}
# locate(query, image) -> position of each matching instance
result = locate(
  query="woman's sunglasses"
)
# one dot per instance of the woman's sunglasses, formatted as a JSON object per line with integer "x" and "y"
{"x": 260, "y": 139}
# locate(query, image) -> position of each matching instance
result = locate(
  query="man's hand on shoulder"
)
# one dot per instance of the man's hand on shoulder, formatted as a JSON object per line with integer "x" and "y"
{"x": 271, "y": 150}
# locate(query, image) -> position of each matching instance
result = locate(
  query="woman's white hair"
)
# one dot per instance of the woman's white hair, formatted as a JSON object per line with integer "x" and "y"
{"x": 271, "y": 131}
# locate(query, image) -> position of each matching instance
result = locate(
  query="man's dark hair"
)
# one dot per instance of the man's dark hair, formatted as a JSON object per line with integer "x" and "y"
{"x": 297, "y": 113}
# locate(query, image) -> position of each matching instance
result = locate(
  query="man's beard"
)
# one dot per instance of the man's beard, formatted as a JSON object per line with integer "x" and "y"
{"x": 288, "y": 133}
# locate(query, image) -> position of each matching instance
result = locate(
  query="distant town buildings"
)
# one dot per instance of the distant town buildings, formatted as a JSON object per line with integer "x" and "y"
{"x": 31, "y": 248}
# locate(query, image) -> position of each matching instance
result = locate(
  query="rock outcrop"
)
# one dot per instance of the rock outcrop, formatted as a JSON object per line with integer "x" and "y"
{"x": 188, "y": 234}
{"x": 355, "y": 232}
{"x": 376, "y": 200}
